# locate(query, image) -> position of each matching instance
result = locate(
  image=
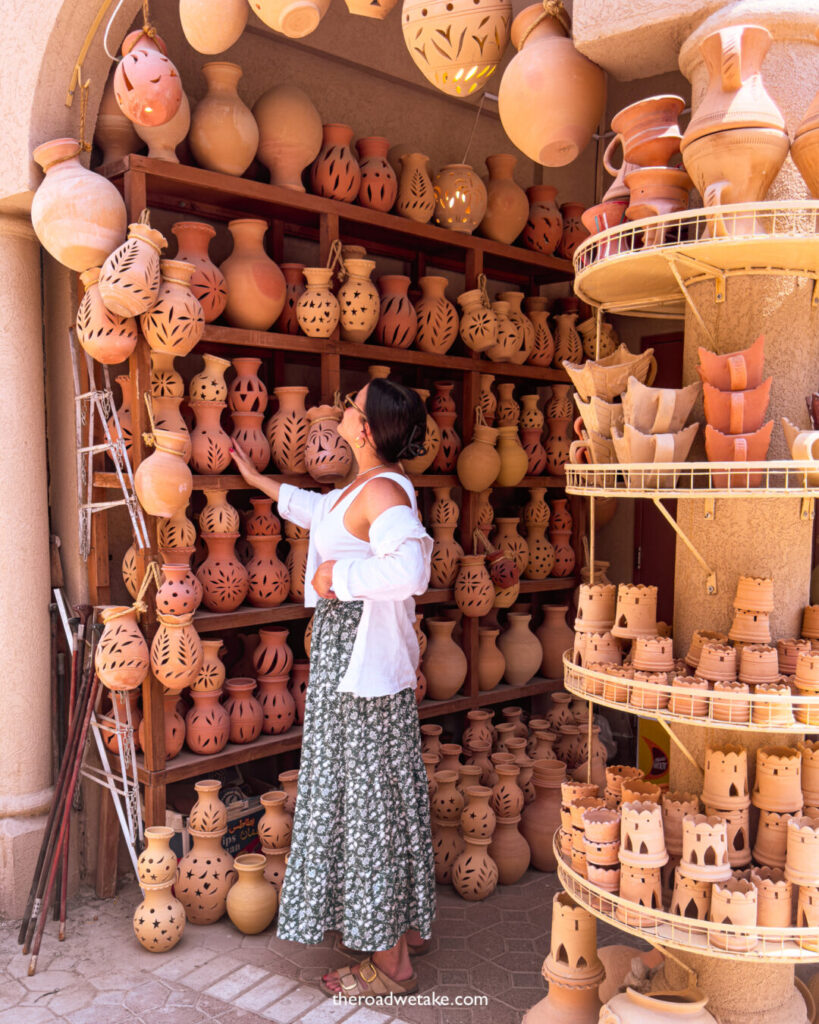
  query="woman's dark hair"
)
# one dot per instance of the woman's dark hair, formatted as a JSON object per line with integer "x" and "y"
{"x": 397, "y": 419}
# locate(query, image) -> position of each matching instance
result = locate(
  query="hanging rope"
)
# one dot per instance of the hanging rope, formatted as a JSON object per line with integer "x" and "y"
{"x": 334, "y": 260}
{"x": 484, "y": 290}
{"x": 152, "y": 573}
{"x": 84, "y": 88}
{"x": 147, "y": 28}
{"x": 551, "y": 9}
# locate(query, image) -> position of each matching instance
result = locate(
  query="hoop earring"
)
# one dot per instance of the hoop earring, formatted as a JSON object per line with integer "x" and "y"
{"x": 359, "y": 442}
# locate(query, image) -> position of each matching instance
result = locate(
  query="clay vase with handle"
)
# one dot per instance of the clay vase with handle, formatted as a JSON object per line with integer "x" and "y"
{"x": 208, "y": 281}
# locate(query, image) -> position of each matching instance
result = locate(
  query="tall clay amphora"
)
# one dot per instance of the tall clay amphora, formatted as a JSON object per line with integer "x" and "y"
{"x": 507, "y": 207}
{"x": 379, "y": 185}
{"x": 544, "y": 223}
{"x": 224, "y": 135}
{"x": 444, "y": 664}
{"x": 208, "y": 281}
{"x": 256, "y": 287}
{"x": 121, "y": 658}
{"x": 541, "y": 818}
{"x": 287, "y": 429}
{"x": 289, "y": 134}
{"x": 555, "y": 637}
{"x": 335, "y": 173}
{"x": 521, "y": 650}
{"x": 416, "y": 196}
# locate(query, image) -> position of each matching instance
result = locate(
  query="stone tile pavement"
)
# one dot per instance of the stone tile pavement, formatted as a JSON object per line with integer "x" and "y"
{"x": 101, "y": 975}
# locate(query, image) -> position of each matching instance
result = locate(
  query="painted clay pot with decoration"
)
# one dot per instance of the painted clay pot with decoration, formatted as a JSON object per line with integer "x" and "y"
{"x": 268, "y": 577}
{"x": 121, "y": 658}
{"x": 176, "y": 652}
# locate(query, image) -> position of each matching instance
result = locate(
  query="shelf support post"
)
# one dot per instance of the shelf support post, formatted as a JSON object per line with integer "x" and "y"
{"x": 676, "y": 739}
{"x": 711, "y": 576}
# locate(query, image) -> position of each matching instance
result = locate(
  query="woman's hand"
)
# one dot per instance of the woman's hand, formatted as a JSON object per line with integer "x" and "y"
{"x": 323, "y": 580}
{"x": 244, "y": 465}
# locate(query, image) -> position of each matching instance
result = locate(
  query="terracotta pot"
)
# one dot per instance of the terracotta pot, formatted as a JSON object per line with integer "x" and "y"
{"x": 446, "y": 457}
{"x": 536, "y": 512}
{"x": 174, "y": 726}
{"x": 317, "y": 310}
{"x": 335, "y": 173}
{"x": 544, "y": 225}
{"x": 207, "y": 724}
{"x": 168, "y": 416}
{"x": 208, "y": 814}
{"x": 443, "y": 400}
{"x": 122, "y": 701}
{"x": 507, "y": 797}
{"x": 276, "y": 824}
{"x": 653, "y": 192}
{"x": 157, "y": 863}
{"x": 166, "y": 382}
{"x": 657, "y": 1008}
{"x": 223, "y": 577}
{"x": 474, "y": 593}
{"x": 163, "y": 482}
{"x": 294, "y": 278}
{"x": 558, "y": 446}
{"x": 574, "y": 230}
{"x": 327, "y": 455}
{"x": 104, "y": 335}
{"x": 448, "y": 802}
{"x": 555, "y": 637}
{"x": 209, "y": 384}
{"x": 268, "y": 578}
{"x": 734, "y": 371}
{"x": 290, "y": 134}
{"x": 568, "y": 344}
{"x": 224, "y": 135}
{"x": 524, "y": 325}
{"x": 397, "y": 323}
{"x": 358, "y": 301}
{"x": 179, "y": 593}
{"x": 509, "y": 850}
{"x": 207, "y": 283}
{"x": 159, "y": 920}
{"x": 416, "y": 196}
{"x": 261, "y": 522}
{"x": 479, "y": 464}
{"x": 446, "y": 554}
{"x": 176, "y": 532}
{"x": 256, "y": 287}
{"x": 436, "y": 315}
{"x": 541, "y": 553}
{"x": 445, "y": 664}
{"x": 444, "y": 511}
{"x": 252, "y": 901}
{"x": 287, "y": 429}
{"x": 244, "y": 709}
{"x": 507, "y": 207}
{"x": 514, "y": 460}
{"x": 447, "y": 846}
{"x": 379, "y": 185}
{"x": 477, "y": 818}
{"x": 564, "y": 552}
{"x": 485, "y": 514}
{"x": 299, "y": 682}
{"x": 543, "y": 349}
{"x": 212, "y": 27}
{"x": 478, "y": 324}
{"x": 147, "y": 86}
{"x": 247, "y": 432}
{"x": 210, "y": 444}
{"x": 121, "y": 658}
{"x": 658, "y": 410}
{"x": 273, "y": 656}
{"x": 542, "y": 817}
{"x": 129, "y": 279}
{"x": 297, "y": 565}
{"x": 648, "y": 131}
{"x": 460, "y": 198}
{"x": 247, "y": 391}
{"x": 176, "y": 652}
{"x": 475, "y": 873}
{"x": 509, "y": 338}
{"x": 535, "y": 452}
{"x": 205, "y": 877}
{"x": 752, "y": 447}
{"x": 113, "y": 133}
{"x": 278, "y": 704}
{"x": 486, "y": 398}
{"x": 212, "y": 672}
{"x": 163, "y": 139}
{"x": 510, "y": 541}
{"x": 521, "y": 650}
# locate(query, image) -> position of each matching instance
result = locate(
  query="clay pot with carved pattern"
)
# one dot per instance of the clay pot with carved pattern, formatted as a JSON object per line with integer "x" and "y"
{"x": 327, "y": 456}
{"x": 223, "y": 577}
{"x": 294, "y": 289}
{"x": 397, "y": 323}
{"x": 208, "y": 281}
{"x": 210, "y": 445}
{"x": 335, "y": 173}
{"x": 437, "y": 317}
{"x": 245, "y": 711}
{"x": 287, "y": 428}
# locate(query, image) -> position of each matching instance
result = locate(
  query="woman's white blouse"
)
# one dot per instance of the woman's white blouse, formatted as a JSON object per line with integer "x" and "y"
{"x": 383, "y": 573}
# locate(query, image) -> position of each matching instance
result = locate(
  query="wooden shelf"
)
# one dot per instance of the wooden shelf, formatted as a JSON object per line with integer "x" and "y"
{"x": 501, "y": 694}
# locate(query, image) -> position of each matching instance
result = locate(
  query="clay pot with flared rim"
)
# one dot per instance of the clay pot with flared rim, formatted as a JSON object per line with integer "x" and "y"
{"x": 507, "y": 207}
{"x": 163, "y": 482}
{"x": 460, "y": 198}
{"x": 121, "y": 658}
{"x": 166, "y": 381}
{"x": 639, "y": 791}
{"x": 335, "y": 173}
{"x": 268, "y": 577}
{"x": 104, "y": 335}
{"x": 450, "y": 757}
{"x": 507, "y": 800}
{"x": 287, "y": 429}
{"x": 157, "y": 863}
{"x": 317, "y": 309}
{"x": 262, "y": 522}
{"x": 179, "y": 593}
{"x": 475, "y": 873}
{"x": 358, "y": 301}
{"x": 209, "y": 384}
{"x": 256, "y": 286}
{"x": 649, "y": 130}
{"x": 479, "y": 464}
{"x": 246, "y": 715}
{"x": 247, "y": 391}
{"x": 416, "y": 195}
{"x": 210, "y": 444}
{"x": 247, "y": 432}
{"x": 544, "y": 224}
{"x": 478, "y": 729}
{"x": 223, "y": 577}
{"x": 547, "y": 65}
{"x": 448, "y": 802}
{"x": 275, "y": 825}
{"x": 207, "y": 724}
{"x": 508, "y": 339}
{"x": 509, "y": 850}
{"x": 543, "y": 349}
{"x": 296, "y": 563}
{"x": 436, "y": 316}
{"x": 733, "y": 371}
{"x": 521, "y": 650}
{"x": 223, "y": 135}
{"x": 514, "y": 461}
{"x": 205, "y": 877}
{"x": 209, "y": 813}
{"x": 176, "y": 652}
{"x": 327, "y": 456}
{"x": 277, "y": 702}
{"x": 445, "y": 664}
{"x": 207, "y": 282}
{"x": 212, "y": 671}
{"x": 299, "y": 681}
{"x": 478, "y": 325}
{"x": 252, "y": 901}
{"x": 554, "y": 636}
{"x": 397, "y": 323}
{"x": 379, "y": 184}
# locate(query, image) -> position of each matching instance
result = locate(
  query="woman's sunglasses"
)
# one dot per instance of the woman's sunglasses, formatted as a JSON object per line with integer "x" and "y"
{"x": 350, "y": 403}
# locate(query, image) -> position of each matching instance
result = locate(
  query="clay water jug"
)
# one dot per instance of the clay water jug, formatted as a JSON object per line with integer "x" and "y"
{"x": 509, "y": 338}
{"x": 294, "y": 280}
{"x": 289, "y": 134}
{"x": 544, "y": 224}
{"x": 524, "y": 325}
{"x": 491, "y": 662}
{"x": 248, "y": 432}
{"x": 278, "y": 704}
{"x": 268, "y": 578}
{"x": 175, "y": 322}
{"x": 541, "y": 818}
{"x": 446, "y": 457}
{"x": 297, "y": 565}
{"x": 163, "y": 482}
{"x": 78, "y": 216}
{"x": 247, "y": 391}
{"x": 507, "y": 207}
{"x": 446, "y": 555}
{"x": 223, "y": 577}
{"x": 520, "y": 649}
{"x": 317, "y": 310}
{"x": 255, "y": 285}
{"x": 208, "y": 281}
{"x": 121, "y": 658}
{"x": 210, "y": 445}
{"x": 166, "y": 381}
{"x": 179, "y": 593}
{"x": 479, "y": 463}
{"x": 276, "y": 824}
{"x": 224, "y": 135}
{"x": 543, "y": 349}
{"x": 432, "y": 441}
{"x": 159, "y": 920}
{"x": 478, "y": 325}
{"x": 163, "y": 139}
{"x": 205, "y": 877}
{"x": 209, "y": 384}
{"x": 509, "y": 850}
{"x": 358, "y": 301}
{"x": 104, "y": 335}
{"x": 147, "y": 86}
{"x": 287, "y": 428}
{"x": 379, "y": 185}
{"x": 211, "y": 26}
{"x": 514, "y": 461}
{"x": 212, "y": 672}
{"x": 416, "y": 196}
{"x": 555, "y": 637}
{"x": 244, "y": 709}
{"x": 327, "y": 456}
{"x": 129, "y": 279}
{"x": 397, "y": 324}
{"x": 113, "y": 133}
{"x": 437, "y": 317}
{"x": 335, "y": 173}
{"x": 252, "y": 901}
{"x": 445, "y": 663}
{"x": 261, "y": 522}
{"x": 207, "y": 723}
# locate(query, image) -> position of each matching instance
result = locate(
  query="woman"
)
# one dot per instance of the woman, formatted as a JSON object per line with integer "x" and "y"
{"x": 361, "y": 858}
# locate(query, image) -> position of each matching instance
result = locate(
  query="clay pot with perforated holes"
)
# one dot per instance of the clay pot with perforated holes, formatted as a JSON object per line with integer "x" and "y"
{"x": 379, "y": 185}
{"x": 287, "y": 428}
{"x": 247, "y": 391}
{"x": 327, "y": 455}
{"x": 335, "y": 173}
{"x": 178, "y": 594}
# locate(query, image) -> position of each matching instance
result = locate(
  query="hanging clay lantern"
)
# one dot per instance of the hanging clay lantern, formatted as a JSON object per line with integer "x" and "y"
{"x": 379, "y": 185}
{"x": 456, "y": 45}
{"x": 208, "y": 281}
{"x": 278, "y": 704}
{"x": 327, "y": 455}
{"x": 224, "y": 135}
{"x": 159, "y": 920}
{"x": 179, "y": 593}
{"x": 175, "y": 322}
{"x": 551, "y": 98}
{"x": 121, "y": 658}
{"x": 335, "y": 173}
{"x": 294, "y": 278}
{"x": 397, "y": 323}
{"x": 213, "y": 26}
{"x": 104, "y": 335}
{"x": 223, "y": 577}
{"x": 289, "y": 134}
{"x": 130, "y": 277}
{"x": 146, "y": 84}
{"x": 166, "y": 381}
{"x": 163, "y": 482}
{"x": 255, "y": 285}
{"x": 163, "y": 139}
{"x": 286, "y": 430}
{"x": 416, "y": 196}
{"x": 176, "y": 652}
{"x": 460, "y": 198}
{"x": 544, "y": 225}
{"x": 292, "y": 20}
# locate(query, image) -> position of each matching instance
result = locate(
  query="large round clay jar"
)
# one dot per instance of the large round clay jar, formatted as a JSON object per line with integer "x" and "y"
{"x": 514, "y": 461}
{"x": 159, "y": 920}
{"x": 179, "y": 593}
{"x": 244, "y": 709}
{"x": 445, "y": 664}
{"x": 207, "y": 724}
{"x": 397, "y": 324}
{"x": 175, "y": 322}
{"x": 289, "y": 134}
{"x": 253, "y": 901}
{"x": 278, "y": 703}
{"x": 208, "y": 281}
{"x": 163, "y": 482}
{"x": 213, "y": 26}
{"x": 507, "y": 207}
{"x": 78, "y": 216}
{"x": 104, "y": 335}
{"x": 379, "y": 185}
{"x": 205, "y": 877}
{"x": 121, "y": 658}
{"x": 224, "y": 135}
{"x": 479, "y": 463}
{"x": 335, "y": 173}
{"x": 521, "y": 649}
{"x": 544, "y": 224}
{"x": 256, "y": 287}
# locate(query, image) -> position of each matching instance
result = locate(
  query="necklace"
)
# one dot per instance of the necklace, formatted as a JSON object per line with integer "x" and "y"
{"x": 366, "y": 471}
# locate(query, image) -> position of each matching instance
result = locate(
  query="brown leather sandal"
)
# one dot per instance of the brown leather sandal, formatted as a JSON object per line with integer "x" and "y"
{"x": 370, "y": 981}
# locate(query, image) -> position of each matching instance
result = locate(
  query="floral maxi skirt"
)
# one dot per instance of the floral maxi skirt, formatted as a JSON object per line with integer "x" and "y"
{"x": 361, "y": 858}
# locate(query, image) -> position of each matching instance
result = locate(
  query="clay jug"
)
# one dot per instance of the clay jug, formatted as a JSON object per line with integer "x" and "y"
{"x": 224, "y": 135}
{"x": 211, "y": 26}
{"x": 255, "y": 285}
{"x": 521, "y": 650}
{"x": 77, "y": 215}
{"x": 163, "y": 139}
{"x": 379, "y": 185}
{"x": 397, "y": 324}
{"x": 474, "y": 593}
{"x": 444, "y": 511}
{"x": 317, "y": 310}
{"x": 541, "y": 553}
{"x": 510, "y": 541}
{"x": 555, "y": 637}
{"x": 544, "y": 225}
{"x": 104, "y": 335}
{"x": 514, "y": 460}
{"x": 446, "y": 554}
{"x": 479, "y": 463}
{"x": 159, "y": 920}
{"x": 278, "y": 704}
{"x": 121, "y": 701}
{"x": 287, "y": 428}
{"x": 551, "y": 132}
{"x": 212, "y": 672}
{"x": 205, "y": 877}
{"x": 208, "y": 281}
{"x": 297, "y": 566}
{"x": 247, "y": 432}
{"x": 210, "y": 444}
{"x": 113, "y": 133}
{"x": 207, "y": 723}
{"x": 223, "y": 577}
{"x": 445, "y": 663}
{"x": 335, "y": 173}
{"x": 574, "y": 230}
{"x": 244, "y": 709}
{"x": 129, "y": 279}
{"x": 437, "y": 317}
{"x": 209, "y": 384}
{"x": 509, "y": 338}
{"x": 460, "y": 198}
{"x": 289, "y": 134}
{"x": 268, "y": 578}
{"x": 416, "y": 196}
{"x": 275, "y": 825}
{"x": 507, "y": 207}
{"x": 327, "y": 455}
{"x": 486, "y": 398}
{"x": 509, "y": 850}
{"x": 358, "y": 301}
{"x": 147, "y": 86}
{"x": 252, "y": 901}
{"x": 558, "y": 444}
{"x": 432, "y": 441}
{"x": 163, "y": 482}
{"x": 247, "y": 391}
{"x": 166, "y": 382}
{"x": 541, "y": 818}
{"x": 157, "y": 863}
{"x": 294, "y": 280}
{"x": 478, "y": 325}
{"x": 209, "y": 813}
{"x": 568, "y": 343}
{"x": 273, "y": 655}
{"x": 176, "y": 652}
{"x": 446, "y": 457}
{"x": 121, "y": 658}
{"x": 526, "y": 328}
{"x": 474, "y": 873}
{"x": 179, "y": 593}
{"x": 543, "y": 349}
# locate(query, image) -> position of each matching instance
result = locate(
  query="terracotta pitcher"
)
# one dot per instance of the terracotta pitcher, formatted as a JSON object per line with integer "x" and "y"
{"x": 416, "y": 197}
{"x": 121, "y": 658}
{"x": 460, "y": 198}
{"x": 335, "y": 173}
{"x": 176, "y": 652}
{"x": 224, "y": 135}
{"x": 379, "y": 185}
{"x": 648, "y": 131}
{"x": 507, "y": 207}
{"x": 256, "y": 287}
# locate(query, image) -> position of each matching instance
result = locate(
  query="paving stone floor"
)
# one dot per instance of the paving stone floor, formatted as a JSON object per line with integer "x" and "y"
{"x": 101, "y": 975}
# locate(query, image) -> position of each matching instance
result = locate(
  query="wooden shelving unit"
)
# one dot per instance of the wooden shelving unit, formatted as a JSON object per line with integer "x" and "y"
{"x": 190, "y": 192}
